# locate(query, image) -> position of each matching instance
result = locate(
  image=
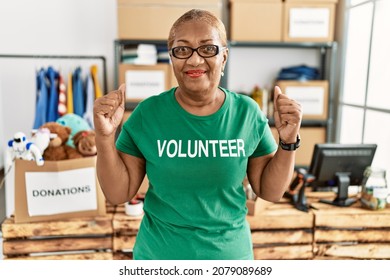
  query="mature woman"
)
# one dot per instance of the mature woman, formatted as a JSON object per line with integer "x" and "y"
{"x": 196, "y": 143}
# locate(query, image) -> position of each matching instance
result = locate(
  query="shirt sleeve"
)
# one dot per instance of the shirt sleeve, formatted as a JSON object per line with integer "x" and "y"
{"x": 267, "y": 143}
{"x": 130, "y": 135}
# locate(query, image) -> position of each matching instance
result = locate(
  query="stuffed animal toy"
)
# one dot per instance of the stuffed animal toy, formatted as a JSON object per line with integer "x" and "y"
{"x": 41, "y": 138}
{"x": 84, "y": 142}
{"x": 75, "y": 123}
{"x": 20, "y": 148}
{"x": 57, "y": 149}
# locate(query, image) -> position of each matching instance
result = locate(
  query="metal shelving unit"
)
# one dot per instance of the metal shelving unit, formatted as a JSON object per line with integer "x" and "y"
{"x": 119, "y": 46}
{"x": 327, "y": 50}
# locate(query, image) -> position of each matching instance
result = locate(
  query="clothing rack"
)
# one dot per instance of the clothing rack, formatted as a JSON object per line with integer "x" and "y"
{"x": 45, "y": 56}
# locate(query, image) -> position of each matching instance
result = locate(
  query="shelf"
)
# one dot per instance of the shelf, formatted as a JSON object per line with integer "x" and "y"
{"x": 241, "y": 44}
{"x": 119, "y": 46}
{"x": 130, "y": 106}
{"x": 309, "y": 45}
{"x": 306, "y": 123}
{"x": 136, "y": 42}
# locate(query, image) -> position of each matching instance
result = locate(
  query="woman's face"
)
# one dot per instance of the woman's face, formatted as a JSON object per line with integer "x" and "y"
{"x": 198, "y": 74}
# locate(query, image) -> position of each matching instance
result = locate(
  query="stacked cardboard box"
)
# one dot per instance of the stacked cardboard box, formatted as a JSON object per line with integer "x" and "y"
{"x": 152, "y": 19}
{"x": 282, "y": 20}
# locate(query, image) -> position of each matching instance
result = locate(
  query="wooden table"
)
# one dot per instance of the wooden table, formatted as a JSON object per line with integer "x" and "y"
{"x": 279, "y": 231}
{"x": 351, "y": 232}
{"x": 78, "y": 238}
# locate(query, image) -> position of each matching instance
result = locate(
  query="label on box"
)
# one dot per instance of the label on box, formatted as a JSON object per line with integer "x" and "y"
{"x": 311, "y": 98}
{"x": 51, "y": 193}
{"x": 141, "y": 84}
{"x": 309, "y": 22}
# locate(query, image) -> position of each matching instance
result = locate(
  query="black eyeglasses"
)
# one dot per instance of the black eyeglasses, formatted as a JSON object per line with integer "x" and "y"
{"x": 205, "y": 51}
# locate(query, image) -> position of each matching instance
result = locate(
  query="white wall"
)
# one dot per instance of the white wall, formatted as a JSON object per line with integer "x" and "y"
{"x": 50, "y": 27}
{"x": 2, "y": 143}
{"x": 2, "y": 138}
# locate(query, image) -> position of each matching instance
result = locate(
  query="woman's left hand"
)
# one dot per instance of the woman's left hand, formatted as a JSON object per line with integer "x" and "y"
{"x": 287, "y": 116}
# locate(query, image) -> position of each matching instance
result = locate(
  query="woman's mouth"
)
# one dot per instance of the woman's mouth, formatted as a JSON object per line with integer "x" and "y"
{"x": 195, "y": 73}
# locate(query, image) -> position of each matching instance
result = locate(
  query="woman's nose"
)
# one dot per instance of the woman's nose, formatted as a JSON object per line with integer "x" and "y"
{"x": 195, "y": 59}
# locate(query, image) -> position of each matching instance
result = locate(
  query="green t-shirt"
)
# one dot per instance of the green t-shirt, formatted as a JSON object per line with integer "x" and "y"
{"x": 195, "y": 207}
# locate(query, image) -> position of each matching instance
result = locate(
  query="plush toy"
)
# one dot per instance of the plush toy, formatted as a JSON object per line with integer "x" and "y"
{"x": 20, "y": 148}
{"x": 84, "y": 142}
{"x": 57, "y": 149}
{"x": 41, "y": 138}
{"x": 75, "y": 123}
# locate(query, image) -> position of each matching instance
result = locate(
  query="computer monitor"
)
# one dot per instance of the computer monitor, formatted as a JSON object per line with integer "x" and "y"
{"x": 340, "y": 165}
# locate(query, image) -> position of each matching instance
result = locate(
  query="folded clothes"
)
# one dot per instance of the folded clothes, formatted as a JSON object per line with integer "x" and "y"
{"x": 300, "y": 72}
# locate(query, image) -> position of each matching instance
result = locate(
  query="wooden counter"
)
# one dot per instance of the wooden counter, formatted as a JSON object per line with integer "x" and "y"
{"x": 351, "y": 232}
{"x": 78, "y": 238}
{"x": 279, "y": 231}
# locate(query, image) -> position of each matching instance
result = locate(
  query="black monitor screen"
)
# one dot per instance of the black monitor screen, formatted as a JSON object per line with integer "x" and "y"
{"x": 329, "y": 159}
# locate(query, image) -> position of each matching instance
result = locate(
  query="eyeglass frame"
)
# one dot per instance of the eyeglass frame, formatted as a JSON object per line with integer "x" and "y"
{"x": 219, "y": 49}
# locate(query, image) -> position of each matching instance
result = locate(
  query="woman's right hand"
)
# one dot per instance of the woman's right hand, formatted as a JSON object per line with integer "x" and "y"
{"x": 108, "y": 112}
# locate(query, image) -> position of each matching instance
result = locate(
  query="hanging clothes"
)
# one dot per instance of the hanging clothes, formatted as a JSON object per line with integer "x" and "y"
{"x": 90, "y": 98}
{"x": 42, "y": 99}
{"x": 69, "y": 95}
{"x": 78, "y": 93}
{"x": 61, "y": 95}
{"x": 52, "y": 112}
{"x": 98, "y": 91}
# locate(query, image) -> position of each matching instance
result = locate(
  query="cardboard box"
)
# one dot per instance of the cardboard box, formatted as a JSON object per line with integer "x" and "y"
{"x": 152, "y": 19}
{"x": 309, "y": 20}
{"x": 256, "y": 20}
{"x": 309, "y": 137}
{"x": 58, "y": 190}
{"x": 312, "y": 95}
{"x": 143, "y": 81}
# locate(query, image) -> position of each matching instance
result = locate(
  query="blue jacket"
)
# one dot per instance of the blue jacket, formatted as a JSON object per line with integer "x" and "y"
{"x": 52, "y": 110}
{"x": 78, "y": 93}
{"x": 42, "y": 100}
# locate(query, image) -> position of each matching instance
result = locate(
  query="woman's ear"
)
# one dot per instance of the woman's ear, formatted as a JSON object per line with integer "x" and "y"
{"x": 225, "y": 57}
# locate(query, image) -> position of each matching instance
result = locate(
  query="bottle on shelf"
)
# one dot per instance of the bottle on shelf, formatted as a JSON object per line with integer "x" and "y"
{"x": 260, "y": 95}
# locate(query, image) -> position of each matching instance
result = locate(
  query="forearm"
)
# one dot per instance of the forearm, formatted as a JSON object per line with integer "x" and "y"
{"x": 111, "y": 171}
{"x": 270, "y": 175}
{"x": 277, "y": 175}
